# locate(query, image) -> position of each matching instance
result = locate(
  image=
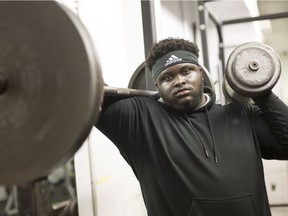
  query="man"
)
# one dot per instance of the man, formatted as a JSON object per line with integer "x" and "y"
{"x": 193, "y": 157}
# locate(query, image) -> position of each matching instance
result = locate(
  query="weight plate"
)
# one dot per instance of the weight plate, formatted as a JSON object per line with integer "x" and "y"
{"x": 233, "y": 97}
{"x": 252, "y": 69}
{"x": 142, "y": 79}
{"x": 53, "y": 88}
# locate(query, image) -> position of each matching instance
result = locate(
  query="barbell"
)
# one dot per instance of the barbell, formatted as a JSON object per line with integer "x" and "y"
{"x": 51, "y": 87}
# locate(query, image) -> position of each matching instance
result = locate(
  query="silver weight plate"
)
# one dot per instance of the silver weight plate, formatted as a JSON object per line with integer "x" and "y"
{"x": 233, "y": 97}
{"x": 252, "y": 69}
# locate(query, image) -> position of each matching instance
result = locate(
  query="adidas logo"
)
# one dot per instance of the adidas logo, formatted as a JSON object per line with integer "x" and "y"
{"x": 172, "y": 59}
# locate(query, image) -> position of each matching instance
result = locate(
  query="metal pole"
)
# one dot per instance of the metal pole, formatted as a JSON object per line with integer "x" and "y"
{"x": 202, "y": 26}
{"x": 257, "y": 18}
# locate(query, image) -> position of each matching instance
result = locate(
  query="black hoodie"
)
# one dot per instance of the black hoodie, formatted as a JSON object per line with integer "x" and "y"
{"x": 206, "y": 162}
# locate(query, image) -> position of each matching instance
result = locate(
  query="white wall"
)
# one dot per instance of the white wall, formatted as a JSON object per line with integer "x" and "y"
{"x": 116, "y": 28}
{"x": 109, "y": 184}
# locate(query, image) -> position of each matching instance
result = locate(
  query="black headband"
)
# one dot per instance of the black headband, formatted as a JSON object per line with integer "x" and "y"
{"x": 172, "y": 58}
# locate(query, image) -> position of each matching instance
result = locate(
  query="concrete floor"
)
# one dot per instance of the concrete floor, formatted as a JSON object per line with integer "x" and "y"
{"x": 279, "y": 211}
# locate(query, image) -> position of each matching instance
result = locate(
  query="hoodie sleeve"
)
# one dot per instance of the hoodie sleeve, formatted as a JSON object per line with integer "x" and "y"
{"x": 271, "y": 127}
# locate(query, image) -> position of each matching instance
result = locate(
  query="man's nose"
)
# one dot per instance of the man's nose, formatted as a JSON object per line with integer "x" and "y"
{"x": 179, "y": 80}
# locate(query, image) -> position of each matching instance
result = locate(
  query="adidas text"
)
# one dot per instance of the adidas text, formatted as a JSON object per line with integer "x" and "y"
{"x": 172, "y": 59}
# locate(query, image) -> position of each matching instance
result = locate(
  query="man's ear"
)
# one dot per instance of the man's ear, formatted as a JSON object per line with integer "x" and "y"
{"x": 200, "y": 68}
{"x": 202, "y": 72}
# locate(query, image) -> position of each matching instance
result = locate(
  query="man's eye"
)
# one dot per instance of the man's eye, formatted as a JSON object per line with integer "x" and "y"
{"x": 167, "y": 78}
{"x": 187, "y": 71}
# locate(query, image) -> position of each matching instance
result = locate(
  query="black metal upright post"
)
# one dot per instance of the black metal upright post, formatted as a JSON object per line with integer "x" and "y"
{"x": 148, "y": 38}
{"x": 202, "y": 26}
{"x": 147, "y": 25}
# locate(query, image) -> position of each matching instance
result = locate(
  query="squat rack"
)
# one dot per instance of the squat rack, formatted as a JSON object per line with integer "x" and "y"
{"x": 204, "y": 13}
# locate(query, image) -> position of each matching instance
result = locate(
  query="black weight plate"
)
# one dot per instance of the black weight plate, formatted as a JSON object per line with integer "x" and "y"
{"x": 53, "y": 88}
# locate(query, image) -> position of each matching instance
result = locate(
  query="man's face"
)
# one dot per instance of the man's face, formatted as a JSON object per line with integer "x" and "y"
{"x": 181, "y": 86}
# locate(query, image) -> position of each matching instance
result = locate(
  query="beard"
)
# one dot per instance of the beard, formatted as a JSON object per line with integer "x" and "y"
{"x": 191, "y": 105}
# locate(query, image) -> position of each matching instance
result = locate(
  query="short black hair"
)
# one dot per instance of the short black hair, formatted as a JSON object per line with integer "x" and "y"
{"x": 169, "y": 44}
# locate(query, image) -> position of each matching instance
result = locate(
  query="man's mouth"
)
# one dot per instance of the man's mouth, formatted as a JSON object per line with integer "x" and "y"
{"x": 182, "y": 92}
